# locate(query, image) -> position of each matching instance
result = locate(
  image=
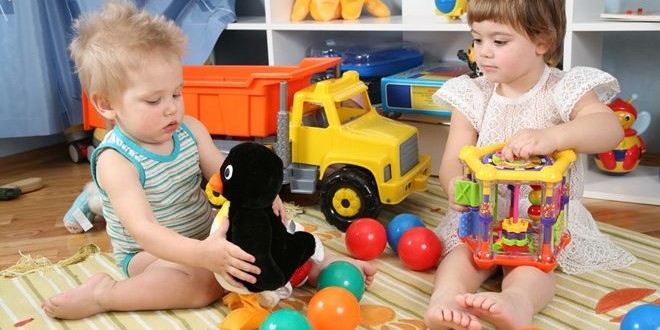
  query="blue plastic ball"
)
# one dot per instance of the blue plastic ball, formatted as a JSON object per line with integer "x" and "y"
{"x": 399, "y": 225}
{"x": 642, "y": 317}
{"x": 342, "y": 274}
{"x": 285, "y": 319}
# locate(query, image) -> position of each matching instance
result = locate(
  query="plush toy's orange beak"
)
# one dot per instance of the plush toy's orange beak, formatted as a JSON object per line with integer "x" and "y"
{"x": 216, "y": 183}
{"x": 213, "y": 191}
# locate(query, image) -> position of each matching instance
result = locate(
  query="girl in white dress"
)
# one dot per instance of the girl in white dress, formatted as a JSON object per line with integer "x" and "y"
{"x": 539, "y": 109}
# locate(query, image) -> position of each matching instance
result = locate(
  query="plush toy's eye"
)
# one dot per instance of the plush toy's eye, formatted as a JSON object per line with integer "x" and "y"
{"x": 229, "y": 171}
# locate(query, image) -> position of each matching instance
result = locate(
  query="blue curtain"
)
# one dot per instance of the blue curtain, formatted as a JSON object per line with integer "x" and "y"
{"x": 39, "y": 91}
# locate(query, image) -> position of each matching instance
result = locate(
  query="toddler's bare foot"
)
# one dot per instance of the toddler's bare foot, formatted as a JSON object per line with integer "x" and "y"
{"x": 444, "y": 313}
{"x": 368, "y": 270}
{"x": 497, "y": 308}
{"x": 79, "y": 302}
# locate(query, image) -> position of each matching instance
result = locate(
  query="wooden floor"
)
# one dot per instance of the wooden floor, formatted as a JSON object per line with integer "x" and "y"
{"x": 32, "y": 223}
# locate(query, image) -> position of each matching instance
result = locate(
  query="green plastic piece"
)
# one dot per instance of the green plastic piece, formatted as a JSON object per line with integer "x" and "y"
{"x": 466, "y": 193}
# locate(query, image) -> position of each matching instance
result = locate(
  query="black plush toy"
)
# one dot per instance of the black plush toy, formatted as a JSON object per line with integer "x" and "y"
{"x": 251, "y": 179}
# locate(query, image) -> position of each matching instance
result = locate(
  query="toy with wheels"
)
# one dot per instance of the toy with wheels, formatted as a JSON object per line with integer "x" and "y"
{"x": 81, "y": 143}
{"x": 349, "y": 194}
{"x": 535, "y": 240}
{"x": 77, "y": 141}
{"x": 624, "y": 158}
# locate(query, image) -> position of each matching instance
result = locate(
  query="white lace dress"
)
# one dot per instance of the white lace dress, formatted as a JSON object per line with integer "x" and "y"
{"x": 548, "y": 103}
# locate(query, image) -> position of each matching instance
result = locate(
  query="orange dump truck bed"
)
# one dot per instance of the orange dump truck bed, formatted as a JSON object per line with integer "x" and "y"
{"x": 236, "y": 100}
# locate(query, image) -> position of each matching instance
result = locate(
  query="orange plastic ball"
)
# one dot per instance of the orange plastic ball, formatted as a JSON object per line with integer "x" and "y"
{"x": 333, "y": 308}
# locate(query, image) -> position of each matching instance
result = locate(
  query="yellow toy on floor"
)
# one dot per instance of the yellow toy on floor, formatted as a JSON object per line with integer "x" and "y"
{"x": 326, "y": 10}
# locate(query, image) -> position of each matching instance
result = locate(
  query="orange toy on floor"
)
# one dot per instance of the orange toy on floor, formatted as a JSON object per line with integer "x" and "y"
{"x": 326, "y": 10}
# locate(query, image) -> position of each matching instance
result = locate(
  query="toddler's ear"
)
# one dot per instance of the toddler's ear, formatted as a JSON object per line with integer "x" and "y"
{"x": 102, "y": 105}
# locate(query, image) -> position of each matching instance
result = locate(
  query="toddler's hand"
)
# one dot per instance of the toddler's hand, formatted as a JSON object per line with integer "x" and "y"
{"x": 450, "y": 196}
{"x": 529, "y": 142}
{"x": 279, "y": 209}
{"x": 227, "y": 259}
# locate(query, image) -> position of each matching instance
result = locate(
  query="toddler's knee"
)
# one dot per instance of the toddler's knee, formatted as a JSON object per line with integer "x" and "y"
{"x": 206, "y": 290}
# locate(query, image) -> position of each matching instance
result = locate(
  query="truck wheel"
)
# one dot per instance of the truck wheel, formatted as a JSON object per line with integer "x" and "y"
{"x": 347, "y": 195}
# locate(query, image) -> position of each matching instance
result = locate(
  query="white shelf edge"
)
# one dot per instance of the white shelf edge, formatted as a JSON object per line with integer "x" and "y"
{"x": 640, "y": 186}
{"x": 393, "y": 23}
{"x": 613, "y": 26}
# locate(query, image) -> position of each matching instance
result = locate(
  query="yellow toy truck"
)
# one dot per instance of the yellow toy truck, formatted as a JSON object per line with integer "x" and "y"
{"x": 328, "y": 134}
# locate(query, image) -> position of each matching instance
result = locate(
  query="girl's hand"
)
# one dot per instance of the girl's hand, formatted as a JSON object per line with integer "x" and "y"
{"x": 530, "y": 142}
{"x": 227, "y": 259}
{"x": 279, "y": 209}
{"x": 450, "y": 196}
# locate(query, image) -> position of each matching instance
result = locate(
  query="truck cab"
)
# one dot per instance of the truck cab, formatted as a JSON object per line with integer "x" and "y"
{"x": 360, "y": 158}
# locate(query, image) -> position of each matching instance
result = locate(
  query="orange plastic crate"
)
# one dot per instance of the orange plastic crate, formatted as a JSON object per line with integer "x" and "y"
{"x": 236, "y": 100}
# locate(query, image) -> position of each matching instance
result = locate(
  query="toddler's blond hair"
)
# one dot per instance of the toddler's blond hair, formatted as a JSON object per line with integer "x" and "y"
{"x": 120, "y": 38}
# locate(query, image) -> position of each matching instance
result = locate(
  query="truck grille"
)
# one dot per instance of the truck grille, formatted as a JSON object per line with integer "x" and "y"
{"x": 409, "y": 154}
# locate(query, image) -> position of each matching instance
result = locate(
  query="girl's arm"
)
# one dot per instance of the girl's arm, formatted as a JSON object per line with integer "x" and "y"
{"x": 593, "y": 128}
{"x": 120, "y": 180}
{"x": 461, "y": 133}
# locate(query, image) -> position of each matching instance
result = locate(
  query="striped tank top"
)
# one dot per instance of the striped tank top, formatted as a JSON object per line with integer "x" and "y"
{"x": 171, "y": 184}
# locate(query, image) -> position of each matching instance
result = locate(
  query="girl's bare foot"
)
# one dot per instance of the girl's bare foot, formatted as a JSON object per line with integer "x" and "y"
{"x": 368, "y": 270}
{"x": 80, "y": 302}
{"x": 445, "y": 313}
{"x": 497, "y": 308}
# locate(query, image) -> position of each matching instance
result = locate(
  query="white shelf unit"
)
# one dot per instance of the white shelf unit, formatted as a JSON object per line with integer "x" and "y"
{"x": 263, "y": 27}
{"x": 286, "y": 41}
{"x": 639, "y": 186}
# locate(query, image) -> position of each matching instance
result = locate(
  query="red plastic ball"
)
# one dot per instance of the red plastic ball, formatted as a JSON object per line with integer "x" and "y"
{"x": 333, "y": 308}
{"x": 365, "y": 239}
{"x": 419, "y": 248}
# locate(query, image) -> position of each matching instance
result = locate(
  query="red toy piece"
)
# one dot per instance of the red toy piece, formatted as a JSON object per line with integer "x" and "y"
{"x": 420, "y": 248}
{"x": 365, "y": 239}
{"x": 300, "y": 276}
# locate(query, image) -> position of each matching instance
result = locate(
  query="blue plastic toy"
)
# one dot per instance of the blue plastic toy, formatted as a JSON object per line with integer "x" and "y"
{"x": 642, "y": 317}
{"x": 451, "y": 9}
{"x": 399, "y": 225}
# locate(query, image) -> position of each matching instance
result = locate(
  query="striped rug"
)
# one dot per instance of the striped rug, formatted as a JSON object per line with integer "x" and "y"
{"x": 396, "y": 300}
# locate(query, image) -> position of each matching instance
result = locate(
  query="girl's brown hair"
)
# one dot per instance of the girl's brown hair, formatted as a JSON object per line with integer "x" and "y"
{"x": 540, "y": 20}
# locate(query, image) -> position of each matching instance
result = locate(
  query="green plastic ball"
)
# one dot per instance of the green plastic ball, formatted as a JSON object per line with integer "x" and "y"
{"x": 342, "y": 274}
{"x": 285, "y": 319}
